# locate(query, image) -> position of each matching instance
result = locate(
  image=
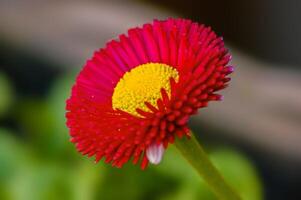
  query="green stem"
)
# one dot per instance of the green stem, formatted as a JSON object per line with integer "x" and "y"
{"x": 197, "y": 157}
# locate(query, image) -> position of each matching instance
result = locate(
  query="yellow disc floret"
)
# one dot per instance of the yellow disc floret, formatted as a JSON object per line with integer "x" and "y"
{"x": 142, "y": 84}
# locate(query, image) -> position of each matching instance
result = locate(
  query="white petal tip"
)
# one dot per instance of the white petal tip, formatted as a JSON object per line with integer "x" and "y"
{"x": 154, "y": 153}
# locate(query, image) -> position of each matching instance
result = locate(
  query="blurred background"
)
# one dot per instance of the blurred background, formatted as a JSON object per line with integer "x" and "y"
{"x": 253, "y": 136}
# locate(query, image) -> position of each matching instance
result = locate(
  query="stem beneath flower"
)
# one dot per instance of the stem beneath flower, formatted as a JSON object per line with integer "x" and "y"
{"x": 197, "y": 157}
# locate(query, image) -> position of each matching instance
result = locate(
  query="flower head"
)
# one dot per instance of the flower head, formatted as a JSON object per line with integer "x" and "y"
{"x": 133, "y": 97}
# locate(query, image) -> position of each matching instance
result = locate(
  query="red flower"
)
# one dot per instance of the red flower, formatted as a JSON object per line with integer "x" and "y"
{"x": 136, "y": 95}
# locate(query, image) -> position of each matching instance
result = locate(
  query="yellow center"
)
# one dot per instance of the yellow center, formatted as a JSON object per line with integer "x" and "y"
{"x": 142, "y": 84}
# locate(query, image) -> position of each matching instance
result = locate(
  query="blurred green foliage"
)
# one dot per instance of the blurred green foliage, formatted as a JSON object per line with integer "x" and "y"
{"x": 6, "y": 94}
{"x": 41, "y": 163}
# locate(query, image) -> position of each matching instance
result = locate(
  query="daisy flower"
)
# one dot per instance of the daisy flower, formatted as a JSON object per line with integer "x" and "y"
{"x": 133, "y": 97}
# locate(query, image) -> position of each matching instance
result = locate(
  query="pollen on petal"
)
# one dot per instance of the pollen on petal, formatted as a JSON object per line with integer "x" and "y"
{"x": 155, "y": 153}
